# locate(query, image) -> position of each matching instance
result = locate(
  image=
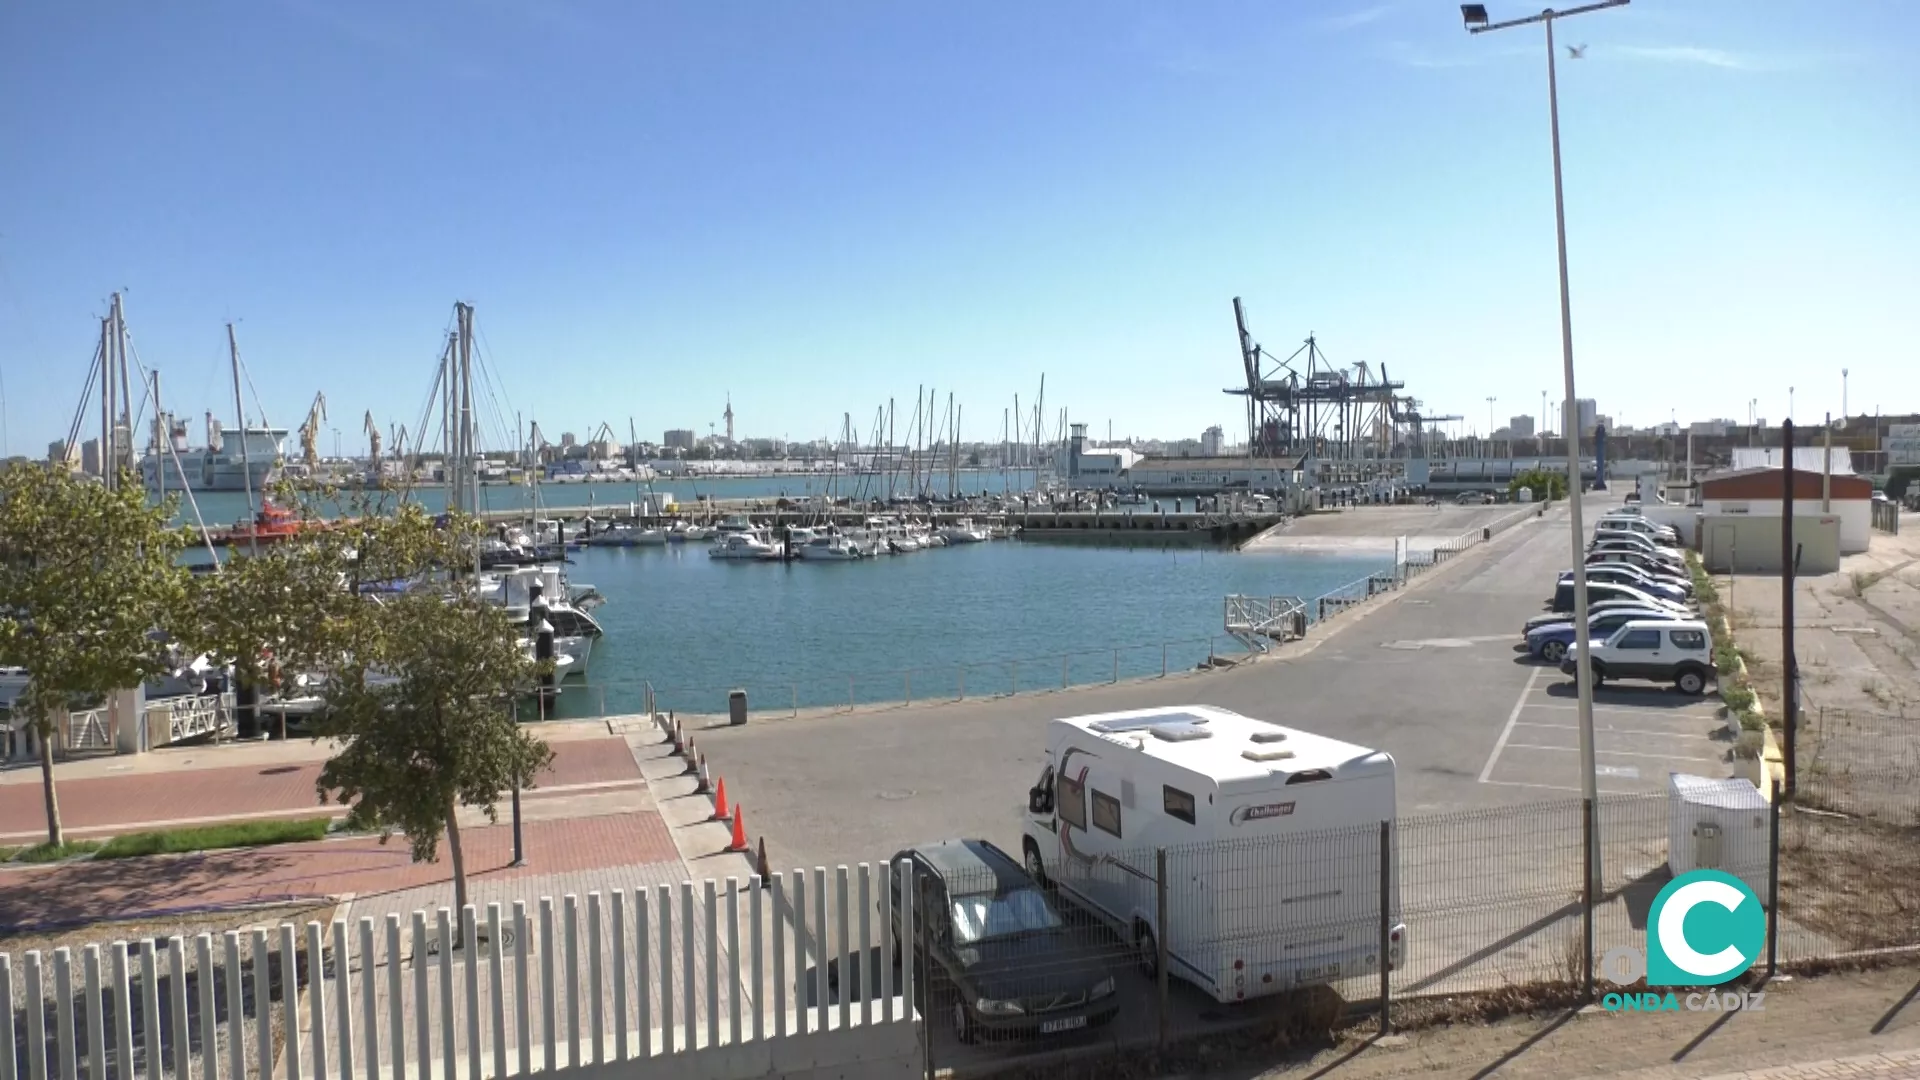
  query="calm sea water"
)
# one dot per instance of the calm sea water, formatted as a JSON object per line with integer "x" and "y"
{"x": 985, "y": 618}
{"x": 996, "y": 615}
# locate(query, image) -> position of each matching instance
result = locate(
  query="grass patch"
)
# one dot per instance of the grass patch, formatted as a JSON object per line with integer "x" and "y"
{"x": 215, "y": 837}
{"x": 46, "y": 853}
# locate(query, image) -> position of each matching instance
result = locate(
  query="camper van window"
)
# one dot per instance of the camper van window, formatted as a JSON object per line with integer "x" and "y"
{"x": 1179, "y": 804}
{"x": 1070, "y": 801}
{"x": 1106, "y": 812}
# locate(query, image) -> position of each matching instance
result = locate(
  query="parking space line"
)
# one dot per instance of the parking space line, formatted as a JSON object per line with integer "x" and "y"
{"x": 1620, "y": 753}
{"x": 1614, "y": 730}
{"x": 1561, "y": 787}
{"x": 1512, "y": 719}
{"x": 1639, "y": 711}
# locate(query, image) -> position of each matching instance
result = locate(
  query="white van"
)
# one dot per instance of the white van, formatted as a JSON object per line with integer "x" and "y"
{"x": 1272, "y": 841}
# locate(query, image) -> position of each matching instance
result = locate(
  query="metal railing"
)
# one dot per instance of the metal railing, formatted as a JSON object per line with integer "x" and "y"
{"x": 1258, "y": 621}
{"x": 1885, "y": 516}
{"x": 87, "y": 729}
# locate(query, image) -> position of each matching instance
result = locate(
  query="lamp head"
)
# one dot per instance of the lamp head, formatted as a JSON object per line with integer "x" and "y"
{"x": 1473, "y": 15}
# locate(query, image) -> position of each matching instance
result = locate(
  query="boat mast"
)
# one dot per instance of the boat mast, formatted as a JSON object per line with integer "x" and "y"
{"x": 890, "y": 459}
{"x": 246, "y": 465}
{"x": 161, "y": 444}
{"x": 106, "y": 399}
{"x": 123, "y": 421}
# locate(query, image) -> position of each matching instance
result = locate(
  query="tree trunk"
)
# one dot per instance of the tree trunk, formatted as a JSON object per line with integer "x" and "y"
{"x": 55, "y": 834}
{"x": 459, "y": 868}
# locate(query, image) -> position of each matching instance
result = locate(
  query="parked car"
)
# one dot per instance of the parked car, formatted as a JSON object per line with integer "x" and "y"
{"x": 1639, "y": 579}
{"x": 1551, "y": 641}
{"x": 1635, "y": 523}
{"x": 1647, "y": 561}
{"x": 1676, "y": 652}
{"x": 1014, "y": 965}
{"x": 1595, "y": 607}
{"x": 1614, "y": 532}
{"x": 1639, "y": 545}
{"x": 1562, "y": 600}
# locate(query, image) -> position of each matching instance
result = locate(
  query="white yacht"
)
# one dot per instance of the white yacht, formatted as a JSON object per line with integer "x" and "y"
{"x": 830, "y": 547}
{"x": 964, "y": 531}
{"x": 744, "y": 546}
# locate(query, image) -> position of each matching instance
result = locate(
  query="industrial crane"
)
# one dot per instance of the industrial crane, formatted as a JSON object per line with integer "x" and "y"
{"x": 310, "y": 430}
{"x": 373, "y": 444}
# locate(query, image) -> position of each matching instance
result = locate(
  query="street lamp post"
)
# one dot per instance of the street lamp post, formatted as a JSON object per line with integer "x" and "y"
{"x": 1843, "y": 397}
{"x": 1475, "y": 17}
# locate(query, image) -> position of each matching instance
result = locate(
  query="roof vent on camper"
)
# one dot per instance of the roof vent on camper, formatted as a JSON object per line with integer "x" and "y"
{"x": 1180, "y": 732}
{"x": 1266, "y": 755}
{"x": 1308, "y": 776}
{"x": 1268, "y": 736}
{"x": 1150, "y": 720}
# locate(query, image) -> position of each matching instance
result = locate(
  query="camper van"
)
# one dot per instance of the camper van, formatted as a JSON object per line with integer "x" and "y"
{"x": 1271, "y": 838}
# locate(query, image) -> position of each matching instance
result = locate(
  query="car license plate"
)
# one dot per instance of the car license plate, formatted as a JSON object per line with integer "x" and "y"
{"x": 1065, "y": 1023}
{"x": 1320, "y": 974}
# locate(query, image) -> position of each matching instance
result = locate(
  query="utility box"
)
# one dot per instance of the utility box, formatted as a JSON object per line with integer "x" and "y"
{"x": 1718, "y": 825}
{"x": 736, "y": 707}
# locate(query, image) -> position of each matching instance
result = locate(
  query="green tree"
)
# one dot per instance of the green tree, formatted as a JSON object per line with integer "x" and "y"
{"x": 291, "y": 606}
{"x": 1546, "y": 486}
{"x": 87, "y": 575}
{"x": 423, "y": 705}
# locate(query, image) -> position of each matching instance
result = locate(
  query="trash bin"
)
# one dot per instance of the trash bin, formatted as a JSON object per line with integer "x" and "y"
{"x": 737, "y": 707}
{"x": 1486, "y": 533}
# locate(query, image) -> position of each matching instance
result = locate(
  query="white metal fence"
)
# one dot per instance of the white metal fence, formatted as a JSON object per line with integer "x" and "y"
{"x": 709, "y": 982}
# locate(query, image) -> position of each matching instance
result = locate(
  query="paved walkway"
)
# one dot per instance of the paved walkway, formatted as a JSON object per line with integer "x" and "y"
{"x": 202, "y": 785}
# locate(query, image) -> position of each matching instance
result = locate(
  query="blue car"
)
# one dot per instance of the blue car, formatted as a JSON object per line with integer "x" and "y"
{"x": 1626, "y": 575}
{"x": 1550, "y": 642}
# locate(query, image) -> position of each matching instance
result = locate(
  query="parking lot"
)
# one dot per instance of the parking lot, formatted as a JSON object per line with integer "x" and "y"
{"x": 1641, "y": 732}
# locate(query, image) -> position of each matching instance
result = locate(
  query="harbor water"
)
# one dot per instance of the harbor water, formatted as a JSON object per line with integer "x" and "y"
{"x": 965, "y": 620}
{"x": 977, "y": 619}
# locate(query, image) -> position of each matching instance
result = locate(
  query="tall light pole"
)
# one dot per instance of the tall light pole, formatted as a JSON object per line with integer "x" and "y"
{"x": 1789, "y": 406}
{"x": 1475, "y": 17}
{"x": 1843, "y": 397}
{"x": 1543, "y": 422}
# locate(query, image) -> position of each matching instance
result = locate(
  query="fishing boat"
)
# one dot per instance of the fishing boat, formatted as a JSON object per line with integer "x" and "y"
{"x": 963, "y": 531}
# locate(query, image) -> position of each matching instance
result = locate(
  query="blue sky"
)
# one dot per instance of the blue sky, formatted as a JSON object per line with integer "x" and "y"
{"x": 814, "y": 206}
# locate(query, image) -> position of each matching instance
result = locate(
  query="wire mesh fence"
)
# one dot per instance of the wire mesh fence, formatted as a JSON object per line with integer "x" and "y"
{"x": 1861, "y": 764}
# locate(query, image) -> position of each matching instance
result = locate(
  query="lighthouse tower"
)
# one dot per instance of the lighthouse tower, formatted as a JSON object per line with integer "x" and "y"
{"x": 728, "y": 417}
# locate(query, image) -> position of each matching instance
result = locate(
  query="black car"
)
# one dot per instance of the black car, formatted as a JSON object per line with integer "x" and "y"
{"x": 1005, "y": 961}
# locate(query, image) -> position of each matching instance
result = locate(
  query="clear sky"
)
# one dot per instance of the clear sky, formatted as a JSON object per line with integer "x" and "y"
{"x": 814, "y": 205}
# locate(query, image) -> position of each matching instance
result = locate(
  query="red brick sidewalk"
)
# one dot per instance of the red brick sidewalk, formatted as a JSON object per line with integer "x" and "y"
{"x": 124, "y": 888}
{"x": 126, "y": 802}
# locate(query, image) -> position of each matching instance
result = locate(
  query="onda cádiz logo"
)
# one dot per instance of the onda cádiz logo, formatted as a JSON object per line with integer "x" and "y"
{"x": 1705, "y": 929}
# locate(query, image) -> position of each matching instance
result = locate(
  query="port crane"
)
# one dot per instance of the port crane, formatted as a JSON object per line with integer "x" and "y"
{"x": 373, "y": 443}
{"x": 310, "y": 430}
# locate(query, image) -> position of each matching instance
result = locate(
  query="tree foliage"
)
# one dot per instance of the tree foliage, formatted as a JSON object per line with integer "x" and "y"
{"x": 1544, "y": 484}
{"x": 87, "y": 575}
{"x": 423, "y": 706}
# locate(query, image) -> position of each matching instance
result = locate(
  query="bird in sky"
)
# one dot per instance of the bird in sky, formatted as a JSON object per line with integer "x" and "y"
{"x": 1575, "y": 52}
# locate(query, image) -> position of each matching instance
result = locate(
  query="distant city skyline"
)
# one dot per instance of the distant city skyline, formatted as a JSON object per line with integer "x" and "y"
{"x": 801, "y": 211}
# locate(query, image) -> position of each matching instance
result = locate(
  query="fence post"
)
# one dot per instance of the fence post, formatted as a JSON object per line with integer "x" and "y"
{"x": 794, "y": 688}
{"x": 924, "y": 984}
{"x": 1013, "y": 678}
{"x": 849, "y": 693}
{"x": 1160, "y": 943}
{"x": 1116, "y": 665}
{"x": 1586, "y": 892}
{"x": 909, "y": 679}
{"x": 1773, "y": 881}
{"x": 1386, "y": 923}
{"x": 1063, "y": 670}
{"x": 963, "y": 682}
{"x": 1163, "y": 659}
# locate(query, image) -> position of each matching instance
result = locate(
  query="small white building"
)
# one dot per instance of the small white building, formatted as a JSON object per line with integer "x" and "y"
{"x": 1757, "y": 492}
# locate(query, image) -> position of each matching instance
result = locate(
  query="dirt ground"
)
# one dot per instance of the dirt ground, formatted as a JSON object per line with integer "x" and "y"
{"x": 187, "y": 926}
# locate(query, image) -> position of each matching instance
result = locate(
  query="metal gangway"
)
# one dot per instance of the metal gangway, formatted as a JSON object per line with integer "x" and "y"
{"x": 1259, "y": 621}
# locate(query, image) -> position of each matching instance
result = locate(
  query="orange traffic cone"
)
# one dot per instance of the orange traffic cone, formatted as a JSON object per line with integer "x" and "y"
{"x": 739, "y": 831}
{"x": 720, "y": 801}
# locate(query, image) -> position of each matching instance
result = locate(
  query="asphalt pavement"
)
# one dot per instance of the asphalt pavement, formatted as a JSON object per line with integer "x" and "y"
{"x": 1430, "y": 674}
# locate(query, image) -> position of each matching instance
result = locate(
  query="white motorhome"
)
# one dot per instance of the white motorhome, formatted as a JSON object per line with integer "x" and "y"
{"x": 1272, "y": 840}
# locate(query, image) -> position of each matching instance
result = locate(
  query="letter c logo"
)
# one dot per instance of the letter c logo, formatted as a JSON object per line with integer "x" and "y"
{"x": 1673, "y": 933}
{"x": 1728, "y": 930}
